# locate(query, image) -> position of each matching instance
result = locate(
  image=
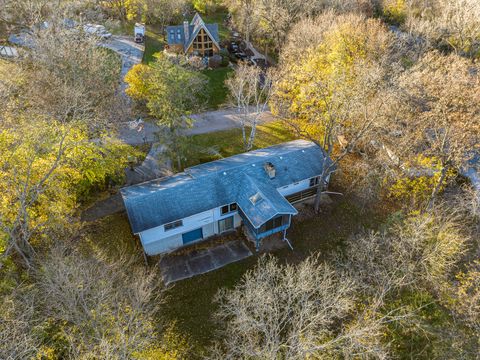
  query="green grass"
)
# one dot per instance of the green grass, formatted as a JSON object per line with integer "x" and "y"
{"x": 154, "y": 43}
{"x": 218, "y": 17}
{"x": 218, "y": 92}
{"x": 229, "y": 142}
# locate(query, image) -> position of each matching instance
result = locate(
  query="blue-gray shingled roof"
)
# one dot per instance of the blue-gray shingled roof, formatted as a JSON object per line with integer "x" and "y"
{"x": 217, "y": 183}
{"x": 176, "y": 33}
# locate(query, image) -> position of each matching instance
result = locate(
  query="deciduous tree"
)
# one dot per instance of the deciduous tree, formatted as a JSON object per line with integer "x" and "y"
{"x": 171, "y": 93}
{"x": 339, "y": 93}
{"x": 250, "y": 91}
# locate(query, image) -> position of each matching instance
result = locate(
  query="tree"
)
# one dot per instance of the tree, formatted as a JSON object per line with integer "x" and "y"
{"x": 245, "y": 16}
{"x": 71, "y": 78}
{"x": 45, "y": 168}
{"x": 420, "y": 251}
{"x": 451, "y": 25}
{"x": 99, "y": 309}
{"x": 106, "y": 311}
{"x": 301, "y": 311}
{"x": 340, "y": 92}
{"x": 171, "y": 93}
{"x": 250, "y": 91}
{"x": 162, "y": 12}
{"x": 441, "y": 122}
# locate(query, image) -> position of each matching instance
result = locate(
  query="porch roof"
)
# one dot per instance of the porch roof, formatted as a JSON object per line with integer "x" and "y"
{"x": 260, "y": 202}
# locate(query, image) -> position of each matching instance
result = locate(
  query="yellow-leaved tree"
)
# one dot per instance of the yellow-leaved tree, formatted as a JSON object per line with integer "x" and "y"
{"x": 45, "y": 169}
{"x": 336, "y": 93}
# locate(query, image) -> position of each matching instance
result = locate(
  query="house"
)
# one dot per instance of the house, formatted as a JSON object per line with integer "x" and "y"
{"x": 196, "y": 38}
{"x": 256, "y": 189}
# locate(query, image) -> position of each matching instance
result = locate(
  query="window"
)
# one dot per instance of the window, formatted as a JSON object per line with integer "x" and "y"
{"x": 225, "y": 224}
{"x": 273, "y": 224}
{"x": 314, "y": 181}
{"x": 228, "y": 208}
{"x": 179, "y": 36}
{"x": 173, "y": 225}
{"x": 203, "y": 43}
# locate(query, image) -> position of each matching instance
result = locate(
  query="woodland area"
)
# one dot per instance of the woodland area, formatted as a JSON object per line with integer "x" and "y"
{"x": 390, "y": 89}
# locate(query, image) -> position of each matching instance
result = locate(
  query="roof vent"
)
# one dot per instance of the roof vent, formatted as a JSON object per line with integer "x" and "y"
{"x": 269, "y": 169}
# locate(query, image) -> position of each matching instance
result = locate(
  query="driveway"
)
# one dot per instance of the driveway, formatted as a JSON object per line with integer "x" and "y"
{"x": 207, "y": 122}
{"x": 130, "y": 52}
{"x": 178, "y": 267}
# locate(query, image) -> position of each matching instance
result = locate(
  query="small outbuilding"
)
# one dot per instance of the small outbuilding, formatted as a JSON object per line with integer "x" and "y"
{"x": 256, "y": 189}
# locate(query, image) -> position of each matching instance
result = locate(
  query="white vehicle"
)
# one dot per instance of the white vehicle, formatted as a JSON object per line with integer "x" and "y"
{"x": 97, "y": 30}
{"x": 139, "y": 33}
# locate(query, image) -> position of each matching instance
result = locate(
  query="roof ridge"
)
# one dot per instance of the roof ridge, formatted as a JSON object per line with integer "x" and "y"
{"x": 251, "y": 152}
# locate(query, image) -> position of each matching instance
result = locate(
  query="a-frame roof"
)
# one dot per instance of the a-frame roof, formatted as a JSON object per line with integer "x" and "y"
{"x": 198, "y": 24}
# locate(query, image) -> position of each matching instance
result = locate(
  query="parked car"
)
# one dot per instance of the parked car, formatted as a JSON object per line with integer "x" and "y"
{"x": 233, "y": 47}
{"x": 139, "y": 33}
{"x": 241, "y": 56}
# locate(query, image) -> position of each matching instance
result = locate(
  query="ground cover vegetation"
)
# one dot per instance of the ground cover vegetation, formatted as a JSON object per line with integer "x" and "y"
{"x": 389, "y": 89}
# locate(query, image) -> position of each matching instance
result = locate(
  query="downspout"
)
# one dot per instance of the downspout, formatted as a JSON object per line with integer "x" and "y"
{"x": 285, "y": 233}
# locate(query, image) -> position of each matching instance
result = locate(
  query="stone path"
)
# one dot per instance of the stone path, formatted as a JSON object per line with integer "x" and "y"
{"x": 179, "y": 267}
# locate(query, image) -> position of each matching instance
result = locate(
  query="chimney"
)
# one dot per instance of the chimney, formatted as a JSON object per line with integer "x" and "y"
{"x": 186, "y": 31}
{"x": 269, "y": 169}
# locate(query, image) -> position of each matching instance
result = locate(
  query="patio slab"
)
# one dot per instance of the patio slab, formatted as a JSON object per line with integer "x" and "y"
{"x": 176, "y": 267}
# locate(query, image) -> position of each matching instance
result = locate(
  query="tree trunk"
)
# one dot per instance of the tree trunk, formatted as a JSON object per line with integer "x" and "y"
{"x": 323, "y": 186}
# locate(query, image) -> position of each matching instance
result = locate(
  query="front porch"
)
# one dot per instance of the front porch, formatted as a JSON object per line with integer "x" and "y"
{"x": 277, "y": 225}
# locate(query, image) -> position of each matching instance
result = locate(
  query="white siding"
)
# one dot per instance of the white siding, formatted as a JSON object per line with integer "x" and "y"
{"x": 157, "y": 240}
{"x": 156, "y": 245}
{"x": 294, "y": 188}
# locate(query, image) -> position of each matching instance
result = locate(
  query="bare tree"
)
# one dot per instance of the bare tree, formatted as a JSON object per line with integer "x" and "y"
{"x": 302, "y": 311}
{"x": 245, "y": 16}
{"x": 70, "y": 77}
{"x": 421, "y": 251}
{"x": 440, "y": 120}
{"x": 250, "y": 91}
{"x": 17, "y": 313}
{"x": 452, "y": 24}
{"x": 107, "y": 305}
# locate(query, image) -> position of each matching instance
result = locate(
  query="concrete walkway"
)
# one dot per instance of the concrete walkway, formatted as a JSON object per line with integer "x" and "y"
{"x": 207, "y": 122}
{"x": 178, "y": 267}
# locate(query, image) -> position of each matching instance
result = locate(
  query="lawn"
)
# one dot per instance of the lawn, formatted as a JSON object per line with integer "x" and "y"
{"x": 213, "y": 146}
{"x": 154, "y": 42}
{"x": 218, "y": 92}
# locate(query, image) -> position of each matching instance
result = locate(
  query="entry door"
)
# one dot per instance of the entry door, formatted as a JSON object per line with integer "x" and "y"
{"x": 225, "y": 224}
{"x": 192, "y": 236}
